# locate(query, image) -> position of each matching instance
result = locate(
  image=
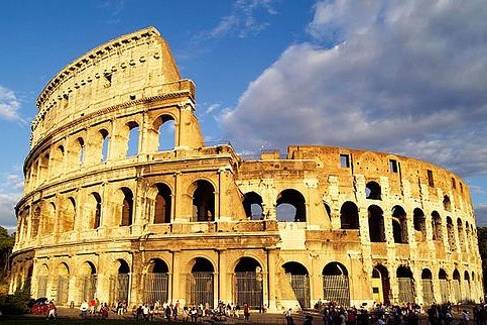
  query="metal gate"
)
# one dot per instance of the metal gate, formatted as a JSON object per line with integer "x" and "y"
{"x": 427, "y": 291}
{"x": 300, "y": 285}
{"x": 336, "y": 288}
{"x": 89, "y": 287}
{"x": 156, "y": 287}
{"x": 444, "y": 290}
{"x": 248, "y": 289}
{"x": 200, "y": 288}
{"x": 119, "y": 288}
{"x": 457, "y": 291}
{"x": 406, "y": 293}
{"x": 41, "y": 286}
{"x": 62, "y": 290}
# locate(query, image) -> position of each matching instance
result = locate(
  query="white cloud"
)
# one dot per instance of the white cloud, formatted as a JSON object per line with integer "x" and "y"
{"x": 11, "y": 185}
{"x": 9, "y": 104}
{"x": 243, "y": 20}
{"x": 7, "y": 204}
{"x": 402, "y": 76}
{"x": 212, "y": 108}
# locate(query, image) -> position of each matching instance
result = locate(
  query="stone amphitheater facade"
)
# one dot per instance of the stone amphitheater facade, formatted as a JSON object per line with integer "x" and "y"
{"x": 109, "y": 212}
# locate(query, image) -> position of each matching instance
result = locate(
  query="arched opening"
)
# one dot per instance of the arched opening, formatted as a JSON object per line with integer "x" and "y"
{"x": 436, "y": 226}
{"x": 380, "y": 284}
{"x": 62, "y": 291}
{"x": 204, "y": 201}
{"x": 405, "y": 284}
{"x": 299, "y": 279}
{"x": 28, "y": 280}
{"x": 446, "y": 203}
{"x": 336, "y": 284}
{"x": 349, "y": 216}
{"x": 133, "y": 139}
{"x": 58, "y": 160}
{"x": 81, "y": 151}
{"x": 44, "y": 167}
{"x": 127, "y": 207}
{"x": 444, "y": 290}
{"x": 249, "y": 283}
{"x": 376, "y": 224}
{"x": 451, "y": 233}
{"x": 156, "y": 282}
{"x": 252, "y": 203}
{"x": 36, "y": 217}
{"x": 327, "y": 211}
{"x": 456, "y": 286}
{"x": 461, "y": 235}
{"x": 166, "y": 127}
{"x": 104, "y": 144}
{"x": 42, "y": 277}
{"x": 419, "y": 222}
{"x": 201, "y": 283}
{"x": 120, "y": 282}
{"x": 399, "y": 225}
{"x": 290, "y": 206}
{"x": 67, "y": 223}
{"x": 96, "y": 201}
{"x": 373, "y": 191}
{"x": 427, "y": 284}
{"x": 162, "y": 208}
{"x": 88, "y": 281}
{"x": 48, "y": 219}
{"x": 468, "y": 288}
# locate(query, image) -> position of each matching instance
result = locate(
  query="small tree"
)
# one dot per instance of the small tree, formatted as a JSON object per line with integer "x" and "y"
{"x": 482, "y": 238}
{"x": 6, "y": 244}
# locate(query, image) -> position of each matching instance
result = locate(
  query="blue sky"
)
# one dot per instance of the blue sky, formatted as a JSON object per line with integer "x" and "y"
{"x": 402, "y": 76}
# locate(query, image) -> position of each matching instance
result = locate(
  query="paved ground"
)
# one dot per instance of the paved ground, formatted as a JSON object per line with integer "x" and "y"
{"x": 71, "y": 316}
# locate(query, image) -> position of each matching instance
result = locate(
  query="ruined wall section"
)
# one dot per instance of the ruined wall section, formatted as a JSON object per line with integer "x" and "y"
{"x": 130, "y": 67}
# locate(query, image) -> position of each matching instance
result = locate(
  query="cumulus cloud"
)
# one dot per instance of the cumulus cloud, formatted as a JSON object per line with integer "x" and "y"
{"x": 401, "y": 76}
{"x": 9, "y": 104}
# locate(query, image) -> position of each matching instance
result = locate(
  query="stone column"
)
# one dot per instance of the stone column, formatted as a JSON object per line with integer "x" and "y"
{"x": 272, "y": 258}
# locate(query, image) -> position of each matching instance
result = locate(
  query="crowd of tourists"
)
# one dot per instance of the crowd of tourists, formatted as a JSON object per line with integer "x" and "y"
{"x": 331, "y": 313}
{"x": 165, "y": 310}
{"x": 326, "y": 313}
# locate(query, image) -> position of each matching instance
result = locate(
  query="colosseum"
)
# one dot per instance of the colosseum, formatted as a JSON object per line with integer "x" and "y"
{"x": 124, "y": 201}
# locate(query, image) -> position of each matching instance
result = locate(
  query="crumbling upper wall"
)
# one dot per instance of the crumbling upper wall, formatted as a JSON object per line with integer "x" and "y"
{"x": 411, "y": 177}
{"x": 127, "y": 68}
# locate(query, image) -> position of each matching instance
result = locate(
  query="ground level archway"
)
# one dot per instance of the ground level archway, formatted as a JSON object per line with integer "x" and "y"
{"x": 381, "y": 284}
{"x": 299, "y": 279}
{"x": 156, "y": 282}
{"x": 336, "y": 286}
{"x": 201, "y": 283}
{"x": 248, "y": 283}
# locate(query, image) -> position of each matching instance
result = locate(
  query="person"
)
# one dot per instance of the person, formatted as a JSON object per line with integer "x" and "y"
{"x": 194, "y": 315}
{"x": 51, "y": 311}
{"x": 289, "y": 317}
{"x": 246, "y": 312}
{"x": 185, "y": 314}
{"x": 308, "y": 320}
{"x": 84, "y": 309}
{"x": 145, "y": 312}
{"x": 465, "y": 317}
{"x": 104, "y": 311}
